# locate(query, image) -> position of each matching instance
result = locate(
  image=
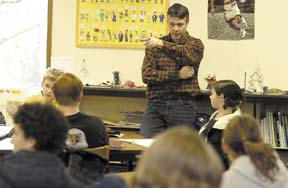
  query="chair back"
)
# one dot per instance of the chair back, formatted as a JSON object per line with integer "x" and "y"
{"x": 103, "y": 151}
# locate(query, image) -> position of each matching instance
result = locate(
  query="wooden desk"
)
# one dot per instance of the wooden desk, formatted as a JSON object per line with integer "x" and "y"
{"x": 123, "y": 151}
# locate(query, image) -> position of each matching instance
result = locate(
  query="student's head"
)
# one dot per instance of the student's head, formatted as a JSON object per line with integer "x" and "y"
{"x": 178, "y": 158}
{"x": 48, "y": 80}
{"x": 39, "y": 127}
{"x": 68, "y": 90}
{"x": 178, "y": 19}
{"x": 226, "y": 94}
{"x": 242, "y": 137}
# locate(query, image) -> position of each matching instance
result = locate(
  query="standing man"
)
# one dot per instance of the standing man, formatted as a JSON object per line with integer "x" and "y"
{"x": 170, "y": 70}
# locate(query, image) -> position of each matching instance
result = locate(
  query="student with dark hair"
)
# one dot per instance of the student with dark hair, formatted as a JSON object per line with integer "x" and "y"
{"x": 184, "y": 161}
{"x": 85, "y": 131}
{"x": 170, "y": 70}
{"x": 226, "y": 97}
{"x": 254, "y": 163}
{"x": 40, "y": 133}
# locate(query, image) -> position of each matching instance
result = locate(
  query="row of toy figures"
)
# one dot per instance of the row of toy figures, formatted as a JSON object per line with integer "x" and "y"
{"x": 123, "y": 1}
{"x": 133, "y": 17}
{"x": 108, "y": 35}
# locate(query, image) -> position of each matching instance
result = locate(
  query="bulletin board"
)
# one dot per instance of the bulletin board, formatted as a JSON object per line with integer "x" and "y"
{"x": 119, "y": 23}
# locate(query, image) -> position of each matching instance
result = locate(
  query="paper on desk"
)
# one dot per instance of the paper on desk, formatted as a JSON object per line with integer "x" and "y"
{"x": 142, "y": 142}
{"x": 6, "y": 144}
{"x": 5, "y": 130}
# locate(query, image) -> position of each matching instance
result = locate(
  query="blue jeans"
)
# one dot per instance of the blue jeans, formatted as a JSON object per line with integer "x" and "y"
{"x": 162, "y": 114}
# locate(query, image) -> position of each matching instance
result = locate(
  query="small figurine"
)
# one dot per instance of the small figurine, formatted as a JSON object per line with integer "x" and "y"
{"x": 210, "y": 78}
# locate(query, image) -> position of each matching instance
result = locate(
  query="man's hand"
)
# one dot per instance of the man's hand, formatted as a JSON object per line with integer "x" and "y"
{"x": 152, "y": 42}
{"x": 186, "y": 72}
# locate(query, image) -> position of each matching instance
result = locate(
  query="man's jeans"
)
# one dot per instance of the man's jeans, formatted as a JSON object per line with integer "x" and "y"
{"x": 162, "y": 114}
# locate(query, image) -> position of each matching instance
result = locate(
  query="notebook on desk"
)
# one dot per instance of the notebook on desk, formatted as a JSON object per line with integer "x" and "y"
{"x": 5, "y": 138}
{"x": 141, "y": 142}
{"x": 122, "y": 125}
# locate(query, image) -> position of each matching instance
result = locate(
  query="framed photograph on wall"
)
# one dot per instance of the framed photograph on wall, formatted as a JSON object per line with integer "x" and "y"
{"x": 119, "y": 23}
{"x": 231, "y": 19}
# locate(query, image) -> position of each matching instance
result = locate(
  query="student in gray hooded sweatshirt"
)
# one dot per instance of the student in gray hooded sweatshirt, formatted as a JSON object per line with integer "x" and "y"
{"x": 39, "y": 134}
{"x": 255, "y": 164}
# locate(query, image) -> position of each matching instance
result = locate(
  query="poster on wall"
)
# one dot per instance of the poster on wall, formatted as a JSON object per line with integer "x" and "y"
{"x": 119, "y": 23}
{"x": 231, "y": 19}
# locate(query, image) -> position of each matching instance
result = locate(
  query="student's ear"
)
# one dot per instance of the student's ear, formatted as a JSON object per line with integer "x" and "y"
{"x": 80, "y": 96}
{"x": 224, "y": 146}
{"x": 221, "y": 96}
{"x": 227, "y": 150}
{"x": 31, "y": 143}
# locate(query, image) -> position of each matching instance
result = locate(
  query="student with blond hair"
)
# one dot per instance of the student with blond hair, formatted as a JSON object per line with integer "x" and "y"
{"x": 178, "y": 158}
{"x": 86, "y": 131}
{"x": 44, "y": 96}
{"x": 254, "y": 164}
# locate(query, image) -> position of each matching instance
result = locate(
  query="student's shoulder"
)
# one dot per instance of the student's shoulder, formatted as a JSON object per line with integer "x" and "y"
{"x": 111, "y": 181}
{"x": 35, "y": 98}
{"x": 91, "y": 118}
{"x": 4, "y": 183}
{"x": 231, "y": 178}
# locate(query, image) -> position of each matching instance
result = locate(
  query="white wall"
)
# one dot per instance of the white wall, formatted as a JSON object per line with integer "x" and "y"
{"x": 228, "y": 59}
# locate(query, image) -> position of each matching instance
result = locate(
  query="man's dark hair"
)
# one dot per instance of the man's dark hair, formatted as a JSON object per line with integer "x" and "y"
{"x": 179, "y": 11}
{"x": 43, "y": 123}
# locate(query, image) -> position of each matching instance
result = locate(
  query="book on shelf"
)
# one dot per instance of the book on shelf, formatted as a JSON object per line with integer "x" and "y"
{"x": 274, "y": 128}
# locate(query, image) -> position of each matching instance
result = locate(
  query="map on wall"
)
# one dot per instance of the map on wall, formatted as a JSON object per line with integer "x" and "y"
{"x": 23, "y": 43}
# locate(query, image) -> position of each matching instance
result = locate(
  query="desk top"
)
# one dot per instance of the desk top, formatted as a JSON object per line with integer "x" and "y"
{"x": 117, "y": 144}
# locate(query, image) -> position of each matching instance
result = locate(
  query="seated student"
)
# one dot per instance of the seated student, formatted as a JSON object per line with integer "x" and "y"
{"x": 178, "y": 158}
{"x": 254, "y": 163}
{"x": 45, "y": 95}
{"x": 85, "y": 131}
{"x": 226, "y": 96}
{"x": 40, "y": 133}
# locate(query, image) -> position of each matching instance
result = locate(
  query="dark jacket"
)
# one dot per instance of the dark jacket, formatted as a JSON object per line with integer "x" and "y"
{"x": 110, "y": 181}
{"x": 26, "y": 169}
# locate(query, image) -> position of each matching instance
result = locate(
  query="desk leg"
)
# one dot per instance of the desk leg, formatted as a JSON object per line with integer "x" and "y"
{"x": 130, "y": 166}
{"x": 254, "y": 109}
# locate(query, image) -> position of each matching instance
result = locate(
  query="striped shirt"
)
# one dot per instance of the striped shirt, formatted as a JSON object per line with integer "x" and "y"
{"x": 160, "y": 69}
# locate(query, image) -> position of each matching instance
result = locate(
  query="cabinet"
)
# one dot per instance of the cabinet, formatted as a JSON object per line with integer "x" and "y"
{"x": 113, "y": 104}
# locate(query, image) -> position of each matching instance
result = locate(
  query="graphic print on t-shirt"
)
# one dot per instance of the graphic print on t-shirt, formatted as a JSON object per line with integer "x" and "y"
{"x": 76, "y": 139}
